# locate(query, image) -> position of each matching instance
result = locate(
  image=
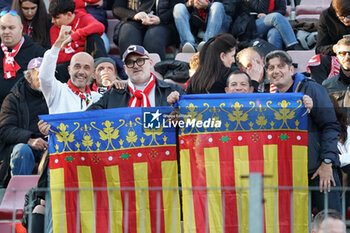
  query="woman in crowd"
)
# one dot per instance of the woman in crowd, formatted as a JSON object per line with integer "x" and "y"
{"x": 36, "y": 21}
{"x": 148, "y": 23}
{"x": 334, "y": 23}
{"x": 216, "y": 61}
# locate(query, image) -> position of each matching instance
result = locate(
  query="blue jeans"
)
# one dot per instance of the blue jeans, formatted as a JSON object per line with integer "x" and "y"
{"x": 218, "y": 22}
{"x": 277, "y": 29}
{"x": 23, "y": 159}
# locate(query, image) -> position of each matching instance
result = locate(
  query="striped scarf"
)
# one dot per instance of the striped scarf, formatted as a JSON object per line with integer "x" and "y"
{"x": 140, "y": 98}
{"x": 10, "y": 66}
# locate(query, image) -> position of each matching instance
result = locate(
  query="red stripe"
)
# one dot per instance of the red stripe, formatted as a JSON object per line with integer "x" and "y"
{"x": 227, "y": 173}
{"x": 154, "y": 174}
{"x": 101, "y": 197}
{"x": 71, "y": 181}
{"x": 285, "y": 178}
{"x": 127, "y": 181}
{"x": 198, "y": 179}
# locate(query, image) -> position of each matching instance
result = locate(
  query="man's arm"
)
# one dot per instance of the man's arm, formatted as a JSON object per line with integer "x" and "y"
{"x": 49, "y": 84}
{"x": 324, "y": 43}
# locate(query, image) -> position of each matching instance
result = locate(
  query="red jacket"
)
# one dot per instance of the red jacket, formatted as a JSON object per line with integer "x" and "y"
{"x": 83, "y": 25}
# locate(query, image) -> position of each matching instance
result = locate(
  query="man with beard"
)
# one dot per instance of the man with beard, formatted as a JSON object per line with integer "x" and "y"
{"x": 338, "y": 85}
{"x": 24, "y": 144}
{"x": 74, "y": 95}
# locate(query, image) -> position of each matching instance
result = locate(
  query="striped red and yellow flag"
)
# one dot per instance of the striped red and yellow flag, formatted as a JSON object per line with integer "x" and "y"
{"x": 108, "y": 174}
{"x": 248, "y": 134}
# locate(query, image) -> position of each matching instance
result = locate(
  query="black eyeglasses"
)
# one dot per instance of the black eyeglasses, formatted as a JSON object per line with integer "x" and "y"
{"x": 139, "y": 61}
{"x": 344, "y": 17}
{"x": 343, "y": 53}
{"x": 12, "y": 12}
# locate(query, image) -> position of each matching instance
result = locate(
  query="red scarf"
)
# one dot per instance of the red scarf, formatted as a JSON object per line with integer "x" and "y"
{"x": 140, "y": 98}
{"x": 86, "y": 96}
{"x": 9, "y": 63}
{"x": 28, "y": 28}
{"x": 272, "y": 5}
{"x": 203, "y": 12}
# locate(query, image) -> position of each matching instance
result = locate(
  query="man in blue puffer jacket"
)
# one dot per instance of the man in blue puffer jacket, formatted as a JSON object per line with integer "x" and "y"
{"x": 323, "y": 128}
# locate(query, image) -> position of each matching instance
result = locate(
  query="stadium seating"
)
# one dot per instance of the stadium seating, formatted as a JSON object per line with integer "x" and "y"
{"x": 301, "y": 57}
{"x": 184, "y": 57}
{"x": 12, "y": 204}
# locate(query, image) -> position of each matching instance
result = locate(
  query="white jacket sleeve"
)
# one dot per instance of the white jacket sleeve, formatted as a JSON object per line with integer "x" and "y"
{"x": 50, "y": 86}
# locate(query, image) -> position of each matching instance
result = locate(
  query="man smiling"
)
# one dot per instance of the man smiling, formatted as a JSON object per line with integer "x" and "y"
{"x": 74, "y": 95}
{"x": 323, "y": 128}
{"x": 143, "y": 88}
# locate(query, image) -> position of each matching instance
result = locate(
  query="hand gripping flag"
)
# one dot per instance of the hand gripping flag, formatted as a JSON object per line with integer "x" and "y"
{"x": 228, "y": 136}
{"x": 107, "y": 174}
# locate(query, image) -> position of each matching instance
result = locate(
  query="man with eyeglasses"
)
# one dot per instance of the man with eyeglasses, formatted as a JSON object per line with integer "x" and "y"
{"x": 16, "y": 51}
{"x": 339, "y": 84}
{"x": 334, "y": 23}
{"x": 143, "y": 89}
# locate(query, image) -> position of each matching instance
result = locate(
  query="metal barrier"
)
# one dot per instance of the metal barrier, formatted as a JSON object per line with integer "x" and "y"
{"x": 256, "y": 208}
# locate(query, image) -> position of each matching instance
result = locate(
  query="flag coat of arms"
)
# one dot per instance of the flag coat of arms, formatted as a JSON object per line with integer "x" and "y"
{"x": 108, "y": 174}
{"x": 228, "y": 136}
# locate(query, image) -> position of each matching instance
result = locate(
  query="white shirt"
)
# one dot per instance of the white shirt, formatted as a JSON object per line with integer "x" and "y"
{"x": 59, "y": 97}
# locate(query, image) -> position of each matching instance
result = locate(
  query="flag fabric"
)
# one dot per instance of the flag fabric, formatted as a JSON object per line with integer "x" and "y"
{"x": 95, "y": 150}
{"x": 228, "y": 136}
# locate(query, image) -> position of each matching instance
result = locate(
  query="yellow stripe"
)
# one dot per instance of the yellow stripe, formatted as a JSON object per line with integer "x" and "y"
{"x": 114, "y": 199}
{"x": 271, "y": 195}
{"x": 212, "y": 168}
{"x": 241, "y": 163}
{"x": 170, "y": 197}
{"x": 143, "y": 218}
{"x": 300, "y": 197}
{"x": 59, "y": 204}
{"x": 86, "y": 195}
{"x": 187, "y": 197}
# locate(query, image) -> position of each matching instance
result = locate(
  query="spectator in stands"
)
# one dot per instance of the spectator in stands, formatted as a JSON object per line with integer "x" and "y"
{"x": 216, "y": 61}
{"x": 334, "y": 23}
{"x": 96, "y": 8}
{"x": 60, "y": 97}
{"x": 343, "y": 145}
{"x": 323, "y": 128}
{"x": 328, "y": 222}
{"x": 74, "y": 95}
{"x": 105, "y": 74}
{"x": 24, "y": 144}
{"x": 145, "y": 22}
{"x": 270, "y": 23}
{"x": 16, "y": 51}
{"x": 249, "y": 60}
{"x": 35, "y": 19}
{"x": 239, "y": 82}
{"x": 143, "y": 88}
{"x": 338, "y": 85}
{"x": 211, "y": 16}
{"x": 85, "y": 34}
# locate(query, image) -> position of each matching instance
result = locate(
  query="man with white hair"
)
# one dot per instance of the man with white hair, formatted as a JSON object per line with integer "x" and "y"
{"x": 328, "y": 222}
{"x": 24, "y": 144}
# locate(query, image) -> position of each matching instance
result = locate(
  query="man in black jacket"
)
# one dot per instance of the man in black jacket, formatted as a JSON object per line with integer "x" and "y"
{"x": 18, "y": 122}
{"x": 143, "y": 88}
{"x": 16, "y": 52}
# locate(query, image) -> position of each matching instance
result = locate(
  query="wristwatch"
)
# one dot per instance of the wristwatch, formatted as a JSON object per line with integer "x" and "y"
{"x": 327, "y": 161}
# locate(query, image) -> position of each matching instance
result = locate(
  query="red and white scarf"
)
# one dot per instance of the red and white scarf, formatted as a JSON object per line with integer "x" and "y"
{"x": 86, "y": 96}
{"x": 9, "y": 64}
{"x": 140, "y": 98}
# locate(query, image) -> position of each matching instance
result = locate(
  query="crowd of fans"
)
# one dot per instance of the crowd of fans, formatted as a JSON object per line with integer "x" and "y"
{"x": 57, "y": 61}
